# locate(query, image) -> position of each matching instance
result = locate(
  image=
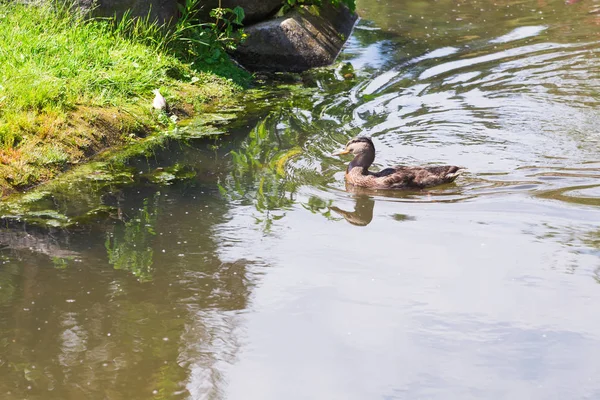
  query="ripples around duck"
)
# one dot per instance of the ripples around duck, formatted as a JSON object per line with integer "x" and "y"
{"x": 516, "y": 106}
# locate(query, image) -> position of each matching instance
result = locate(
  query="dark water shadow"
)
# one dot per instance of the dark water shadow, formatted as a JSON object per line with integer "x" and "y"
{"x": 135, "y": 298}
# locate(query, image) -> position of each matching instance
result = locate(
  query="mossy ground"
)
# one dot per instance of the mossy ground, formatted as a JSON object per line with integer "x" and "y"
{"x": 70, "y": 88}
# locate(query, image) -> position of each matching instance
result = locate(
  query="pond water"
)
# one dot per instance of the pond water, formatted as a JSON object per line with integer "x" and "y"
{"x": 258, "y": 275}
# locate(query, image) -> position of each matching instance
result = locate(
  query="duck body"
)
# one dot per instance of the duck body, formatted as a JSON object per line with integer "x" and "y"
{"x": 403, "y": 177}
{"x": 399, "y": 177}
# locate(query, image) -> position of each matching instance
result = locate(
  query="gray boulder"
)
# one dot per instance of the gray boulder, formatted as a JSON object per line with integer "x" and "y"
{"x": 255, "y": 10}
{"x": 305, "y": 38}
{"x": 163, "y": 11}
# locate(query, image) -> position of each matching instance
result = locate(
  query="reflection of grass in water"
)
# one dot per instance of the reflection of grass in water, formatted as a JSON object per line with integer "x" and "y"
{"x": 129, "y": 246}
{"x": 317, "y": 205}
{"x": 403, "y": 217}
{"x": 259, "y": 176}
{"x": 593, "y": 240}
{"x": 8, "y": 282}
{"x": 561, "y": 195}
{"x": 61, "y": 262}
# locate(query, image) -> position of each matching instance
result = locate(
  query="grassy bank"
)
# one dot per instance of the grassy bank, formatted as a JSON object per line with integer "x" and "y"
{"x": 70, "y": 88}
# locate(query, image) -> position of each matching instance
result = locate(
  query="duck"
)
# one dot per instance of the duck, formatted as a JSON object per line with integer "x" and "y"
{"x": 399, "y": 177}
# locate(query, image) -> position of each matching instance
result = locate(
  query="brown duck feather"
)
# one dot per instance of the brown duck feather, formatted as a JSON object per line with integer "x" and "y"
{"x": 403, "y": 177}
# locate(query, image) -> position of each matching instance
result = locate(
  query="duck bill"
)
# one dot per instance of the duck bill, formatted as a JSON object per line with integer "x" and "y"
{"x": 341, "y": 152}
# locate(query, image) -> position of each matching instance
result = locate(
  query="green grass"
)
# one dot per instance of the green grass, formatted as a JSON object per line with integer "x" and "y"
{"x": 53, "y": 63}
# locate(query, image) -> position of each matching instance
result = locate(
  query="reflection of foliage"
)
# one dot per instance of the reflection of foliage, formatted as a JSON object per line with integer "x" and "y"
{"x": 61, "y": 262}
{"x": 8, "y": 291}
{"x": 259, "y": 175}
{"x": 593, "y": 240}
{"x": 171, "y": 174}
{"x": 316, "y": 205}
{"x": 403, "y": 217}
{"x": 262, "y": 175}
{"x": 129, "y": 246}
{"x": 167, "y": 381}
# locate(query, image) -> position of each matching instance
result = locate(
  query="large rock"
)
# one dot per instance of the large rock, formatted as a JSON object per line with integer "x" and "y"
{"x": 163, "y": 11}
{"x": 166, "y": 10}
{"x": 255, "y": 10}
{"x": 305, "y": 38}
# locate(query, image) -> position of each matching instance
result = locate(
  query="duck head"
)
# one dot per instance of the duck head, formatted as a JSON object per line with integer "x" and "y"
{"x": 363, "y": 150}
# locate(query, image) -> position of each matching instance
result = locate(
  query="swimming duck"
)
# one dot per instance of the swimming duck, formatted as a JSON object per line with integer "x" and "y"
{"x": 400, "y": 177}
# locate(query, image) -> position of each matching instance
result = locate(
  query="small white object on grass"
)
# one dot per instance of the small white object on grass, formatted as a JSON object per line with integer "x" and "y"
{"x": 159, "y": 102}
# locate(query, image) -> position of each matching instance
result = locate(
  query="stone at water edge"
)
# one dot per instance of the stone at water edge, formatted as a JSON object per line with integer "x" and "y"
{"x": 305, "y": 38}
{"x": 163, "y": 11}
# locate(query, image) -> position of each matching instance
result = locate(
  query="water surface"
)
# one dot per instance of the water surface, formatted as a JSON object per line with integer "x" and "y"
{"x": 261, "y": 276}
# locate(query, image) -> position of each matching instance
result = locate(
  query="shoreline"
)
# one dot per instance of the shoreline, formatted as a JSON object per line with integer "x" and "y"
{"x": 94, "y": 131}
{"x": 71, "y": 89}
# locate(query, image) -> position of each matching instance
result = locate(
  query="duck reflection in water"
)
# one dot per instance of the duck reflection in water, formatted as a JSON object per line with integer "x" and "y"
{"x": 363, "y": 211}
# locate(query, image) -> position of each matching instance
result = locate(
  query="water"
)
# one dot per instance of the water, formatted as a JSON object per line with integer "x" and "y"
{"x": 261, "y": 277}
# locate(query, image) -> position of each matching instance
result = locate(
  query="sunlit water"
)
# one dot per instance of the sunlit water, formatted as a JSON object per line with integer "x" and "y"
{"x": 262, "y": 277}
